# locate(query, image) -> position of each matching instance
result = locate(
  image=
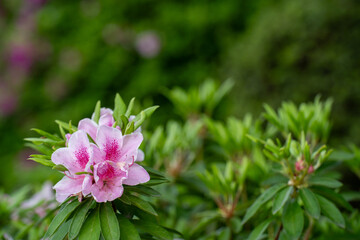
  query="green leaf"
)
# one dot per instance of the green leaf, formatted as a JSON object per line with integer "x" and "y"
{"x": 40, "y": 148}
{"x": 281, "y": 198}
{"x": 325, "y": 181}
{"x": 141, "y": 120}
{"x": 42, "y": 161}
{"x": 60, "y": 168}
{"x": 154, "y": 173}
{"x": 129, "y": 108}
{"x": 203, "y": 223}
{"x": 264, "y": 197}
{"x": 148, "y": 112}
{"x": 293, "y": 219}
{"x": 127, "y": 229}
{"x": 310, "y": 201}
{"x": 331, "y": 195}
{"x": 154, "y": 182}
{"x": 66, "y": 126}
{"x": 62, "y": 231}
{"x": 44, "y": 140}
{"x": 225, "y": 234}
{"x": 144, "y": 190}
{"x": 97, "y": 112}
{"x": 258, "y": 231}
{"x": 61, "y": 217}
{"x": 79, "y": 218}
{"x": 235, "y": 224}
{"x": 124, "y": 121}
{"x": 143, "y": 205}
{"x": 329, "y": 210}
{"x": 125, "y": 199}
{"x": 307, "y": 153}
{"x": 272, "y": 117}
{"x": 130, "y": 128}
{"x": 108, "y": 222}
{"x": 91, "y": 227}
{"x": 153, "y": 229}
{"x": 46, "y": 134}
{"x": 119, "y": 108}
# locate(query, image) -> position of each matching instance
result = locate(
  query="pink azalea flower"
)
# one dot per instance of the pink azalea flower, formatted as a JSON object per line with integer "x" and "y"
{"x": 77, "y": 157}
{"x": 91, "y": 127}
{"x": 106, "y": 119}
{"x": 114, "y": 160}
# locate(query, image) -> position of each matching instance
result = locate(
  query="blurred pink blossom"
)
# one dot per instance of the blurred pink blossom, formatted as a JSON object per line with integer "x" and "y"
{"x": 148, "y": 44}
{"x": 20, "y": 57}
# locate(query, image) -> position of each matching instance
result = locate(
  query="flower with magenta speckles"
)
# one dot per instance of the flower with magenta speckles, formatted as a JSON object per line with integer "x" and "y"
{"x": 102, "y": 168}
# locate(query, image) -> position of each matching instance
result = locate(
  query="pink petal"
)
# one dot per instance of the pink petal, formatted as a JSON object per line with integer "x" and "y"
{"x": 107, "y": 119}
{"x": 80, "y": 147}
{"x": 136, "y": 175}
{"x": 98, "y": 155}
{"x": 130, "y": 147}
{"x": 109, "y": 171}
{"x": 140, "y": 156}
{"x": 66, "y": 187}
{"x": 110, "y": 142}
{"x": 87, "y": 184}
{"x": 63, "y": 156}
{"x": 106, "y": 192}
{"x": 89, "y": 126}
{"x": 67, "y": 136}
{"x": 103, "y": 111}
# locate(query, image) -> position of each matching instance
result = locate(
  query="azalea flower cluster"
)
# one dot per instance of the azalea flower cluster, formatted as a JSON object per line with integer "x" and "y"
{"x": 99, "y": 160}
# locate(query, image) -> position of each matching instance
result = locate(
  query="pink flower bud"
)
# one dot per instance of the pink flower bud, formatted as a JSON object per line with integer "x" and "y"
{"x": 311, "y": 169}
{"x": 299, "y": 165}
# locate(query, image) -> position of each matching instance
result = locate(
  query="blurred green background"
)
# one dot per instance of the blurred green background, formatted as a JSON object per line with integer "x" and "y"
{"x": 59, "y": 57}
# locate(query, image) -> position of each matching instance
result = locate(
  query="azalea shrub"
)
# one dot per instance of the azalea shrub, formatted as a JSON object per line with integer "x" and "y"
{"x": 199, "y": 176}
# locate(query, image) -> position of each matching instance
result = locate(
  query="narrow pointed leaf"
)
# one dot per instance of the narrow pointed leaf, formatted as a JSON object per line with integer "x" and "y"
{"x": 141, "y": 120}
{"x": 127, "y": 229}
{"x": 259, "y": 230}
{"x": 329, "y": 210}
{"x": 334, "y": 197}
{"x": 264, "y": 197}
{"x": 45, "y": 140}
{"x": 325, "y": 181}
{"x": 62, "y": 231}
{"x": 60, "y": 168}
{"x": 97, "y": 112}
{"x": 130, "y": 128}
{"x": 144, "y": 190}
{"x": 119, "y": 108}
{"x": 91, "y": 228}
{"x": 143, "y": 205}
{"x": 66, "y": 126}
{"x": 79, "y": 218}
{"x": 293, "y": 219}
{"x": 153, "y": 229}
{"x": 311, "y": 203}
{"x": 148, "y": 112}
{"x": 46, "y": 134}
{"x": 42, "y": 161}
{"x": 61, "y": 217}
{"x": 129, "y": 108}
{"x": 108, "y": 222}
{"x": 281, "y": 198}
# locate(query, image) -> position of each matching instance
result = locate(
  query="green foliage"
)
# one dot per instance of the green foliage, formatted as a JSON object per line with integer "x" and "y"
{"x": 199, "y": 100}
{"x": 311, "y": 119}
